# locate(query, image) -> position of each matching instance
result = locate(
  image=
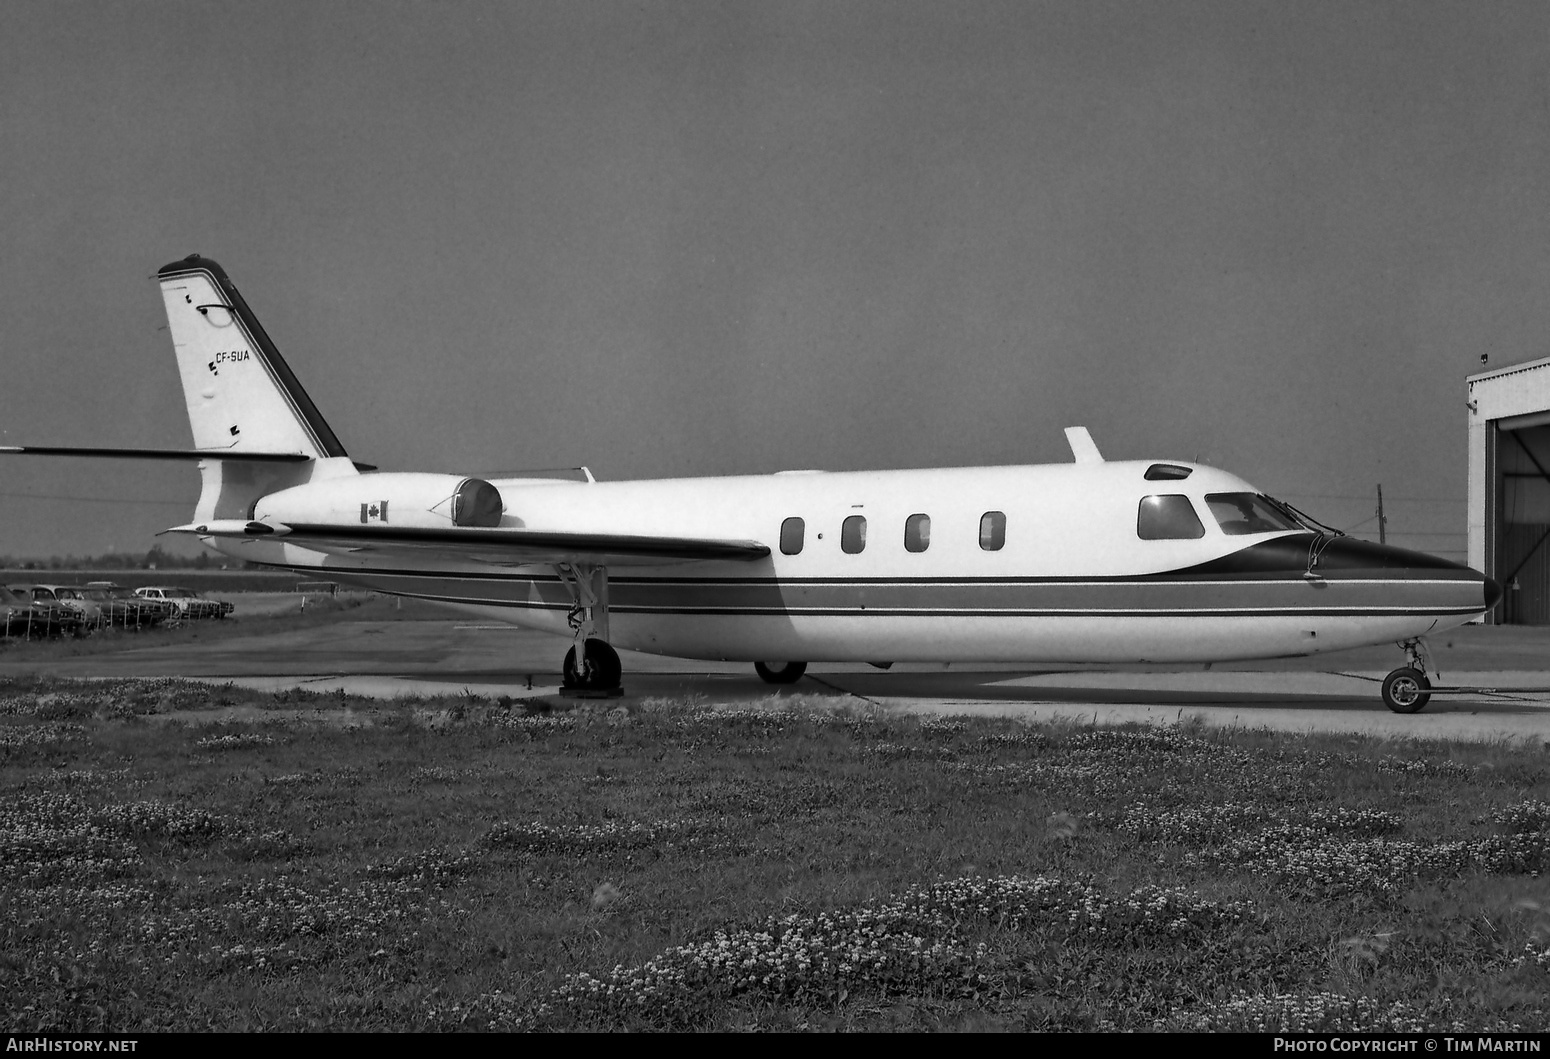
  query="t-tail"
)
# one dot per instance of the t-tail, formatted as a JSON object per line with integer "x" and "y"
{"x": 242, "y": 396}
{"x": 255, "y": 429}
{"x": 244, "y": 403}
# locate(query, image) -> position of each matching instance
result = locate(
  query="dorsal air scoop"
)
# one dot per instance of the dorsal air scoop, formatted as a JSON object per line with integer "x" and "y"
{"x": 1083, "y": 448}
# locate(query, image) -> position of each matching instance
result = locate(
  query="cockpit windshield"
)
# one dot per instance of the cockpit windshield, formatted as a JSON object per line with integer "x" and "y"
{"x": 1239, "y": 513}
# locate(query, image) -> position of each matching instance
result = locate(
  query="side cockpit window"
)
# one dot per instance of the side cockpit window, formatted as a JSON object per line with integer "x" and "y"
{"x": 1168, "y": 517}
{"x": 1239, "y": 513}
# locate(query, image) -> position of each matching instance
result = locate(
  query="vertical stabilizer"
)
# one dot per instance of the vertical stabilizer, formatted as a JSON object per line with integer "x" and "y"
{"x": 1083, "y": 448}
{"x": 241, "y": 394}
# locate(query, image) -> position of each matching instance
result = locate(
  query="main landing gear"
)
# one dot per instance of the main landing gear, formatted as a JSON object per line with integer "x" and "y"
{"x": 1407, "y": 689}
{"x": 780, "y": 672}
{"x": 591, "y": 666}
{"x": 598, "y": 669}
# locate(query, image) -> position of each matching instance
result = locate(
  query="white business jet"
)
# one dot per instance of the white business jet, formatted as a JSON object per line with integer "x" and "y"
{"x": 1090, "y": 561}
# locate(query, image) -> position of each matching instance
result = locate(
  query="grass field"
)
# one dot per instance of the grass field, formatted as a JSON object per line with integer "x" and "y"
{"x": 335, "y": 863}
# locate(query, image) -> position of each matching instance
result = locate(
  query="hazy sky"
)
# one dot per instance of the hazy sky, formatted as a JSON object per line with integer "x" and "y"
{"x": 670, "y": 239}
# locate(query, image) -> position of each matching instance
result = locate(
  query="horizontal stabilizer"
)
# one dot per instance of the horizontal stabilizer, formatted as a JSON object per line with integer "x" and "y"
{"x": 154, "y": 454}
{"x": 519, "y": 547}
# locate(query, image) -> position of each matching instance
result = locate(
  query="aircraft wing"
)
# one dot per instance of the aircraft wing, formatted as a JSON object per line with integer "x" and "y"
{"x": 506, "y": 547}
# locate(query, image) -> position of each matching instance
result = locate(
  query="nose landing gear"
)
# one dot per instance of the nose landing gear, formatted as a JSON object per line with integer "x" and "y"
{"x": 1407, "y": 689}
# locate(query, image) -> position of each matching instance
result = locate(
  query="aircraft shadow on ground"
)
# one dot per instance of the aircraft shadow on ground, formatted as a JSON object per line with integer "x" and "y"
{"x": 988, "y": 687}
{"x": 968, "y": 686}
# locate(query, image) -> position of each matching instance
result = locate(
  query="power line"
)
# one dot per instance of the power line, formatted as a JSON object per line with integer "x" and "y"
{"x": 98, "y": 499}
{"x": 1368, "y": 497}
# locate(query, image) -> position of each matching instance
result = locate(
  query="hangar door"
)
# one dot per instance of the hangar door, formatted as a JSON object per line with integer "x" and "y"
{"x": 1522, "y": 524}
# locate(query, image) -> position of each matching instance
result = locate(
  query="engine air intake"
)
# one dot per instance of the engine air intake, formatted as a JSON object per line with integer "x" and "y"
{"x": 477, "y": 503}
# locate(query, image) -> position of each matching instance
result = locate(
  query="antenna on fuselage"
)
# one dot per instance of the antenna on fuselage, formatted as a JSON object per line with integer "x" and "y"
{"x": 1083, "y": 448}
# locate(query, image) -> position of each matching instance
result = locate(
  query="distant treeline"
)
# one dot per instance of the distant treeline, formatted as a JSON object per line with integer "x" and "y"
{"x": 213, "y": 579}
{"x": 155, "y": 559}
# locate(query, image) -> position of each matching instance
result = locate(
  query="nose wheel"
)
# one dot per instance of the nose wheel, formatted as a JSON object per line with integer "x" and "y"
{"x": 1406, "y": 690}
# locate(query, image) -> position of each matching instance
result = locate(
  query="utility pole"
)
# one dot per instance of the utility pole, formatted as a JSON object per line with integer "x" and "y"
{"x": 1383, "y": 522}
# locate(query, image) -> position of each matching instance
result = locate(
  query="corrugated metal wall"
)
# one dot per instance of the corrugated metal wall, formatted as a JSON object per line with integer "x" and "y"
{"x": 1526, "y": 599}
{"x": 1523, "y": 541}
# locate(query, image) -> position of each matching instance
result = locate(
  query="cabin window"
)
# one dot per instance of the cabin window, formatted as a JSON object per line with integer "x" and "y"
{"x": 992, "y": 530}
{"x": 1239, "y": 513}
{"x": 791, "y": 532}
{"x": 917, "y": 533}
{"x": 853, "y": 534}
{"x": 1168, "y": 517}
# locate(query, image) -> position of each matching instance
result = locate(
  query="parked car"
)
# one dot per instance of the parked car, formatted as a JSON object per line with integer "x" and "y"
{"x": 26, "y": 617}
{"x": 71, "y": 598}
{"x": 190, "y": 604}
{"x": 124, "y": 608}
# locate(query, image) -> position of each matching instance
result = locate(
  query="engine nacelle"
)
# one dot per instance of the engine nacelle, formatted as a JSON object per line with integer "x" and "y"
{"x": 423, "y": 501}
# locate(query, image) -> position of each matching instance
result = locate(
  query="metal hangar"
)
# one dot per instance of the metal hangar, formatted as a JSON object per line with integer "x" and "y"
{"x": 1509, "y": 487}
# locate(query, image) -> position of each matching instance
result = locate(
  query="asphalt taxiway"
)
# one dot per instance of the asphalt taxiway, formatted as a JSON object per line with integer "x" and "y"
{"x": 382, "y": 651}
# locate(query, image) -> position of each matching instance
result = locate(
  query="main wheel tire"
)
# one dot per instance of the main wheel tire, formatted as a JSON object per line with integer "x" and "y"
{"x": 780, "y": 672}
{"x": 1406, "y": 690}
{"x": 603, "y": 668}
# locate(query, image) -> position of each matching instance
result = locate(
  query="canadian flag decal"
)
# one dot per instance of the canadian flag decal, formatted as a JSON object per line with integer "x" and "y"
{"x": 374, "y": 512}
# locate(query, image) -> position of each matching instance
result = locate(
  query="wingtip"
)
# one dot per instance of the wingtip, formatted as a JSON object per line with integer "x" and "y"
{"x": 231, "y": 527}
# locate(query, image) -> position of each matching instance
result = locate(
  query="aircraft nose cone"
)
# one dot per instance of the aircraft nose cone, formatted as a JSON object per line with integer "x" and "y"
{"x": 1493, "y": 592}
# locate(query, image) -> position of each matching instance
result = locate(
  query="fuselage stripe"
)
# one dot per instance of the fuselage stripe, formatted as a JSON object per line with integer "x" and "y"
{"x": 966, "y": 611}
{"x": 915, "y": 597}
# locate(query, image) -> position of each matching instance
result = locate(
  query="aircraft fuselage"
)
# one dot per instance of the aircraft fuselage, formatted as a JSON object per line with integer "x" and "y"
{"x": 1037, "y": 563}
